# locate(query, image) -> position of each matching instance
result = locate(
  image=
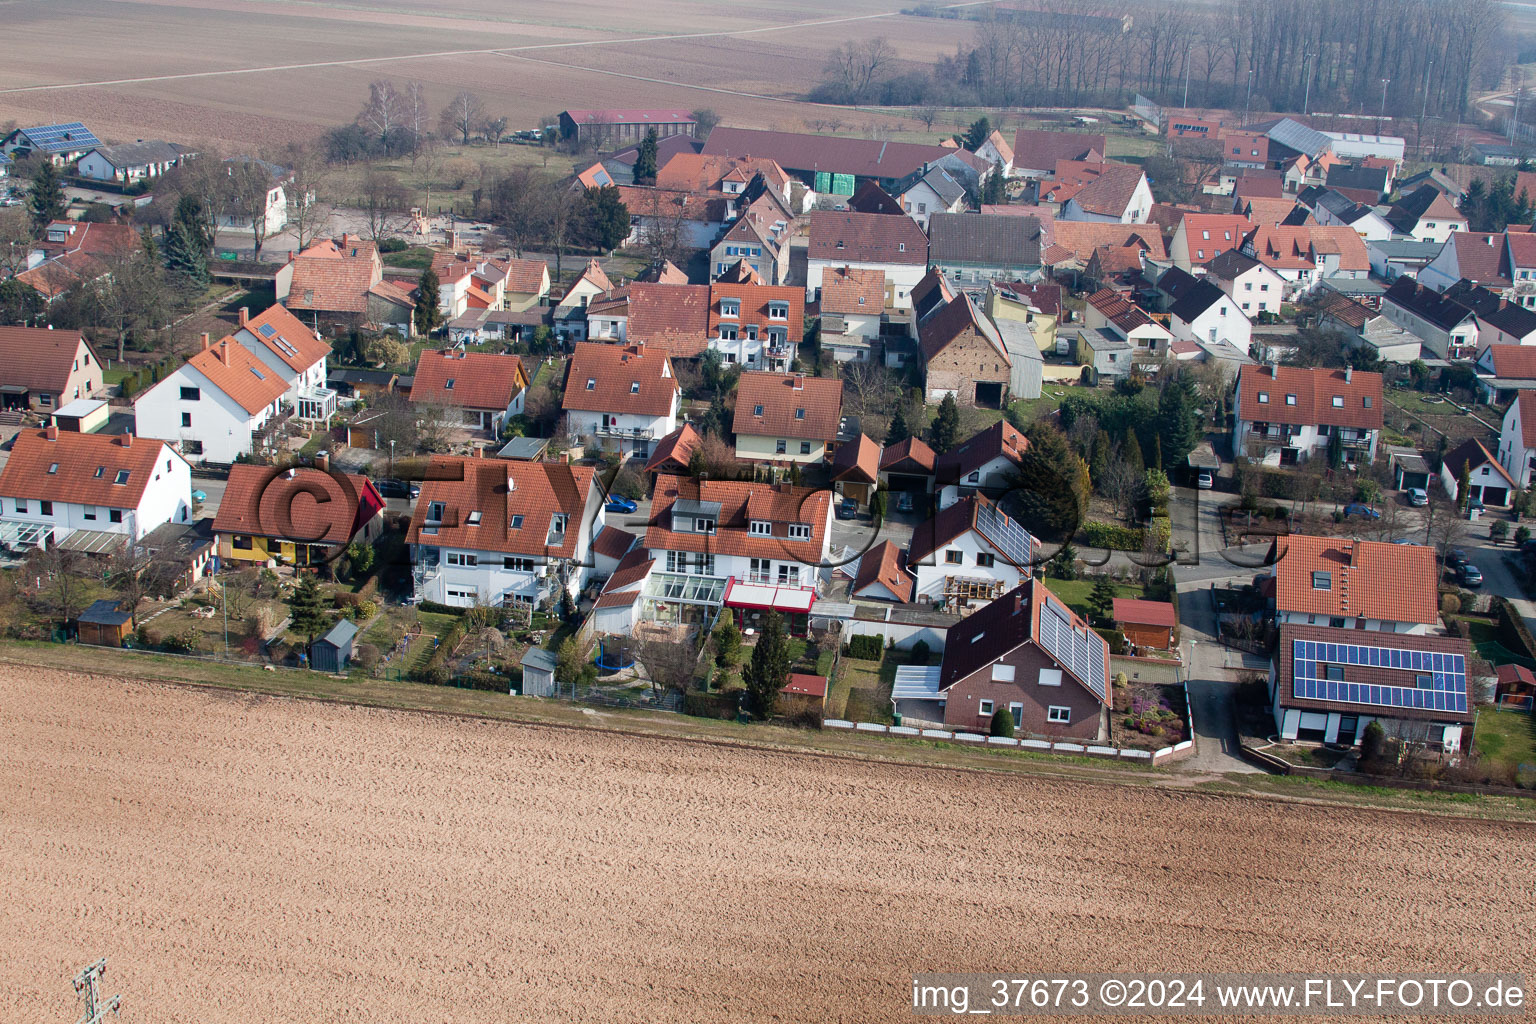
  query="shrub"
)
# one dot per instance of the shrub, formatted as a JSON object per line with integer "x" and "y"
{"x": 392, "y": 245}
{"x": 1113, "y": 536}
{"x": 1002, "y": 724}
{"x": 440, "y": 609}
{"x": 866, "y": 648}
{"x": 1114, "y": 638}
{"x": 365, "y": 656}
{"x": 1498, "y": 530}
{"x": 364, "y": 610}
{"x": 806, "y": 717}
{"x": 1372, "y": 744}
{"x": 920, "y": 652}
{"x": 1157, "y": 489}
{"x": 1522, "y": 534}
{"x": 709, "y": 705}
{"x": 1450, "y": 604}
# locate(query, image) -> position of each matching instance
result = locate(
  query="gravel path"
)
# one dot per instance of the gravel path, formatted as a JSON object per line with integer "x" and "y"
{"x": 245, "y": 858}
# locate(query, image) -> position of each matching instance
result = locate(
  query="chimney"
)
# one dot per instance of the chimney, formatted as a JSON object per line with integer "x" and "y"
{"x": 221, "y": 352}
{"x": 323, "y": 461}
{"x": 206, "y": 341}
{"x": 51, "y": 432}
{"x": 126, "y": 440}
{"x": 478, "y": 452}
{"x": 799, "y": 382}
{"x": 245, "y": 315}
{"x": 1349, "y": 374}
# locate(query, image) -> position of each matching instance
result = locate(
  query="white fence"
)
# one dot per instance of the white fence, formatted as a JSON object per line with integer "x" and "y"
{"x": 1040, "y": 746}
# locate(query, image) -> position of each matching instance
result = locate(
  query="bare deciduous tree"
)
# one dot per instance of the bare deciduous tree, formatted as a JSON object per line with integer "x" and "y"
{"x": 16, "y": 239}
{"x": 309, "y": 209}
{"x": 387, "y": 112}
{"x": 383, "y": 202}
{"x": 462, "y": 116}
{"x": 670, "y": 665}
{"x": 856, "y": 66}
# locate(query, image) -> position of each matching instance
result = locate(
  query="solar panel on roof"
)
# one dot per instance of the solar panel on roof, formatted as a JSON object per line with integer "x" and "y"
{"x": 61, "y": 137}
{"x": 1011, "y": 538}
{"x": 1446, "y": 689}
{"x": 1084, "y": 654}
{"x": 266, "y": 330}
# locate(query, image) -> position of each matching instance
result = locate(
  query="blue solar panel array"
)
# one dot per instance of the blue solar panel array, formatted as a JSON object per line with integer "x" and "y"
{"x": 1084, "y": 654}
{"x": 61, "y": 138}
{"x": 1012, "y": 539}
{"x": 1446, "y": 688}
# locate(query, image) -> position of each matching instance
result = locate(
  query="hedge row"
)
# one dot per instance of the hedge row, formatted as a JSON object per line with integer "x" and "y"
{"x": 434, "y": 671}
{"x": 1098, "y": 534}
{"x": 440, "y": 609}
{"x": 867, "y": 648}
{"x": 709, "y": 705}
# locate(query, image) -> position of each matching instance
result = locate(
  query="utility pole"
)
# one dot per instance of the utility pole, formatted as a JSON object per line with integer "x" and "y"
{"x": 96, "y": 1008}
{"x": 1306, "y": 98}
{"x": 1248, "y": 97}
{"x": 1429, "y": 77}
{"x": 1186, "y": 80}
{"x": 1380, "y": 118}
{"x": 1519, "y": 88}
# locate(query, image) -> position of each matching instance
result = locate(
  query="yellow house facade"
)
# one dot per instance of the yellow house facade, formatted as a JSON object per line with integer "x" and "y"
{"x": 1000, "y": 307}
{"x": 750, "y": 448}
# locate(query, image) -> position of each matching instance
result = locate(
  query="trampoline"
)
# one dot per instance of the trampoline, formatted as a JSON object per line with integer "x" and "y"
{"x": 615, "y": 654}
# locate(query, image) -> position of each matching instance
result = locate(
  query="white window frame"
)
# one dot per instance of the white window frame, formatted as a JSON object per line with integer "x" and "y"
{"x": 1058, "y": 714}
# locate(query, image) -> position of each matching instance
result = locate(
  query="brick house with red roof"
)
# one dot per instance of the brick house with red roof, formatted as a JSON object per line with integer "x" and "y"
{"x": 754, "y": 325}
{"x": 338, "y": 284}
{"x": 84, "y": 490}
{"x": 46, "y": 369}
{"x": 220, "y": 404}
{"x": 484, "y": 388}
{"x": 624, "y": 396}
{"x": 501, "y": 532}
{"x": 1286, "y": 414}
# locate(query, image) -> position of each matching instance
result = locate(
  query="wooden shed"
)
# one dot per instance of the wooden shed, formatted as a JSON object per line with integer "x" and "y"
{"x": 333, "y": 652}
{"x": 1146, "y": 623}
{"x": 804, "y": 691}
{"x": 538, "y": 673}
{"x": 105, "y": 624}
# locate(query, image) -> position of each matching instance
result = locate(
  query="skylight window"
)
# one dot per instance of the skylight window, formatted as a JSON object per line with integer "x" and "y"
{"x": 591, "y": 383}
{"x": 122, "y": 477}
{"x": 799, "y": 414}
{"x": 258, "y": 373}
{"x": 1263, "y": 397}
{"x": 1322, "y": 581}
{"x": 53, "y": 467}
{"x": 634, "y": 387}
{"x": 101, "y": 471}
{"x": 517, "y": 522}
{"x": 1338, "y": 401}
{"x": 757, "y": 410}
{"x": 448, "y": 384}
{"x": 474, "y": 518}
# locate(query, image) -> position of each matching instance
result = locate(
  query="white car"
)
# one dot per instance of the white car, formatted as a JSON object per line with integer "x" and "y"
{"x": 1206, "y": 480}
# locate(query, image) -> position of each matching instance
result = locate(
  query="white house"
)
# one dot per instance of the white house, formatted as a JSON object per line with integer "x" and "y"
{"x": 896, "y": 246}
{"x": 622, "y": 395}
{"x": 276, "y": 212}
{"x": 1517, "y": 439}
{"x": 1284, "y": 414}
{"x": 928, "y": 191}
{"x": 1206, "y": 313}
{"x": 1364, "y": 585}
{"x": 969, "y": 553}
{"x": 214, "y": 404}
{"x": 1426, "y": 215}
{"x": 997, "y": 150}
{"x": 1108, "y": 310}
{"x": 1119, "y": 195}
{"x": 132, "y": 161}
{"x": 1482, "y": 257}
{"x": 62, "y": 484}
{"x": 1335, "y": 208}
{"x": 1487, "y": 481}
{"x": 295, "y": 353}
{"x": 1448, "y": 329}
{"x": 984, "y": 464}
{"x": 1253, "y": 286}
{"x": 502, "y": 532}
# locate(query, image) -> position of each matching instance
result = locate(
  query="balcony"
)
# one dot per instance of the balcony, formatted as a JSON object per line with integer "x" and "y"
{"x": 637, "y": 433}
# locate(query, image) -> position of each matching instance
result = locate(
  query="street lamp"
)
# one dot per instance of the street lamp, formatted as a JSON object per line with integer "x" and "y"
{"x": 1186, "y": 81}
{"x": 391, "y": 458}
{"x": 1383, "y": 115}
{"x": 1248, "y": 97}
{"x": 1306, "y": 99}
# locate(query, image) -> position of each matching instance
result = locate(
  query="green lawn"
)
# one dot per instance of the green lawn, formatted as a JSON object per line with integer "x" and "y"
{"x": 1075, "y": 592}
{"x": 866, "y": 688}
{"x": 417, "y": 257}
{"x": 1507, "y": 737}
{"x": 1027, "y": 410}
{"x": 433, "y": 624}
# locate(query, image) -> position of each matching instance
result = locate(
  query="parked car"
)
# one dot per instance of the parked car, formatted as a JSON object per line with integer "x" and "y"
{"x": 904, "y": 502}
{"x": 847, "y": 509}
{"x": 618, "y": 503}
{"x": 1418, "y": 497}
{"x": 1206, "y": 480}
{"x": 1360, "y": 508}
{"x": 1455, "y": 558}
{"x": 1469, "y": 575}
{"x": 391, "y": 488}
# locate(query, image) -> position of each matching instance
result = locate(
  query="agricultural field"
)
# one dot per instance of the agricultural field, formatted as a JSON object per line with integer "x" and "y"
{"x": 328, "y": 862}
{"x": 255, "y": 73}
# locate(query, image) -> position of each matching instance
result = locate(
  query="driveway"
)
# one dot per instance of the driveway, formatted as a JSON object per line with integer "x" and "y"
{"x": 1497, "y": 575}
{"x": 1212, "y": 677}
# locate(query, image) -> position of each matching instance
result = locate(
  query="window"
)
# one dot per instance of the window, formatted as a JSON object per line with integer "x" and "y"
{"x": 902, "y": 246}
{"x": 730, "y": 307}
{"x": 557, "y": 523}
{"x": 974, "y": 477}
{"x": 53, "y": 467}
{"x": 1337, "y": 622}
{"x": 1263, "y": 397}
{"x": 100, "y": 471}
{"x": 703, "y": 526}
{"x": 1017, "y": 711}
{"x": 1050, "y": 677}
{"x": 727, "y": 332}
{"x": 759, "y": 570}
{"x": 757, "y": 410}
{"x": 780, "y": 446}
{"x": 1367, "y": 401}
{"x": 186, "y": 419}
{"x": 1058, "y": 714}
{"x": 952, "y": 557}
{"x": 1248, "y": 286}
{"x": 799, "y": 414}
{"x": 463, "y": 558}
{"x": 240, "y": 543}
{"x": 517, "y": 564}
{"x": 435, "y": 512}
{"x": 1290, "y": 399}
{"x": 799, "y": 531}
{"x": 1338, "y": 401}
{"x": 760, "y": 528}
{"x": 789, "y": 575}
{"x": 591, "y": 383}
{"x": 474, "y": 518}
{"x": 1322, "y": 581}
{"x": 1002, "y": 673}
{"x": 122, "y": 477}
{"x": 1335, "y": 672}
{"x": 986, "y": 707}
{"x": 634, "y": 387}
{"x": 778, "y": 311}
{"x": 517, "y": 521}
{"x": 190, "y": 394}
{"x": 45, "y": 399}
{"x": 750, "y": 332}
{"x": 805, "y": 447}
{"x": 88, "y": 512}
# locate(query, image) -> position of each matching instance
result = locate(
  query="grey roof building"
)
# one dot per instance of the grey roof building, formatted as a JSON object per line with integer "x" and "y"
{"x": 982, "y": 247}
{"x": 1293, "y": 136}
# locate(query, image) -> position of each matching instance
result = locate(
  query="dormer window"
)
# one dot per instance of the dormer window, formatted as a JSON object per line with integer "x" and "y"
{"x": 730, "y": 307}
{"x": 799, "y": 531}
{"x": 591, "y": 383}
{"x": 1263, "y": 397}
{"x": 557, "y": 522}
{"x": 761, "y": 528}
{"x": 778, "y": 311}
{"x": 703, "y": 526}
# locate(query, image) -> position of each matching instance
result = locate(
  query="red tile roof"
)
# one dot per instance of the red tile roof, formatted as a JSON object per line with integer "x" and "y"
{"x": 634, "y": 566}
{"x": 1213, "y": 233}
{"x": 804, "y": 685}
{"x": 1144, "y": 613}
{"x": 675, "y": 450}
{"x": 1369, "y": 675}
{"x": 300, "y": 504}
{"x": 236, "y": 371}
{"x": 885, "y": 564}
{"x": 499, "y": 490}
{"x": 1046, "y": 298}
{"x": 755, "y": 300}
{"x": 38, "y": 358}
{"x": 705, "y": 172}
{"x": 791, "y": 404}
{"x": 630, "y": 116}
{"x": 857, "y": 460}
{"x": 1038, "y": 148}
{"x": 334, "y": 276}
{"x": 468, "y": 380}
{"x": 965, "y": 516}
{"x": 1001, "y": 440}
{"x": 292, "y": 342}
{"x": 671, "y": 317}
{"x": 910, "y": 457}
{"x": 1315, "y": 389}
{"x": 1083, "y": 237}
{"x": 1118, "y": 310}
{"x": 863, "y": 158}
{"x": 613, "y": 543}
{"x": 1110, "y": 194}
{"x": 850, "y": 290}
{"x": 740, "y": 503}
{"x": 1366, "y": 579}
{"x": 648, "y": 201}
{"x": 1473, "y": 454}
{"x": 87, "y": 467}
{"x": 866, "y": 238}
{"x": 1513, "y": 362}
{"x": 526, "y": 277}
{"x": 619, "y": 379}
{"x": 1522, "y": 250}
{"x": 959, "y": 315}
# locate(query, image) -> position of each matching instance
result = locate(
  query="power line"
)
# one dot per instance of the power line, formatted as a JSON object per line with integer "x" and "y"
{"x": 96, "y": 1008}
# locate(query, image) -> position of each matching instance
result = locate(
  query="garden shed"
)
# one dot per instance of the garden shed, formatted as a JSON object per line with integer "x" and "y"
{"x": 332, "y": 652}
{"x": 1146, "y": 623}
{"x": 105, "y": 623}
{"x": 538, "y": 673}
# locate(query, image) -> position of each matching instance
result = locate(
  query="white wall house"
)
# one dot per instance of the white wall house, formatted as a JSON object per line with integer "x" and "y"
{"x": 295, "y": 353}
{"x": 1286, "y": 414}
{"x": 622, "y": 395}
{"x": 133, "y": 161}
{"x": 969, "y": 543}
{"x": 895, "y": 246}
{"x": 1517, "y": 439}
{"x": 276, "y": 211}
{"x": 58, "y": 482}
{"x": 1253, "y": 286}
{"x": 212, "y": 404}
{"x": 1205, "y": 313}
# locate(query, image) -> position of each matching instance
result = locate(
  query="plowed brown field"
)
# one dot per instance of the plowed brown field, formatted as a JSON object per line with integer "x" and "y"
{"x": 253, "y": 859}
